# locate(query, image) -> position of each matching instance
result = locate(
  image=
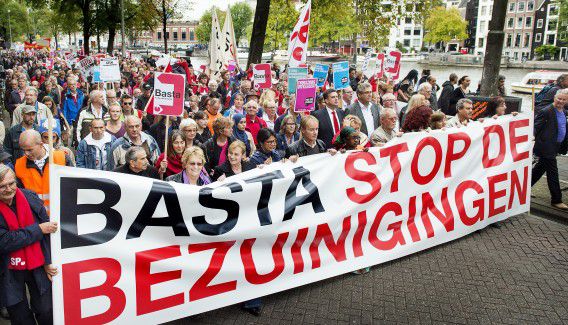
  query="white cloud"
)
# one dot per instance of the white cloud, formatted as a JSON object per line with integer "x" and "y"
{"x": 199, "y": 7}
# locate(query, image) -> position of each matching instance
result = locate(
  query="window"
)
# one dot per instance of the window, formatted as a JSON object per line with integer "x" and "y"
{"x": 528, "y": 22}
{"x": 417, "y": 32}
{"x": 416, "y": 43}
{"x": 510, "y": 23}
{"x": 550, "y": 39}
{"x": 481, "y": 42}
{"x": 552, "y": 24}
{"x": 483, "y": 11}
{"x": 167, "y": 35}
{"x": 407, "y": 31}
{"x": 191, "y": 36}
{"x": 521, "y": 7}
{"x": 159, "y": 36}
{"x": 482, "y": 25}
{"x": 539, "y": 23}
{"x": 406, "y": 42}
{"x": 509, "y": 40}
{"x": 183, "y": 36}
{"x": 175, "y": 36}
{"x": 538, "y": 38}
{"x": 518, "y": 40}
{"x": 553, "y": 10}
{"x": 527, "y": 40}
{"x": 520, "y": 22}
{"x": 511, "y": 7}
{"x": 408, "y": 20}
{"x": 530, "y": 5}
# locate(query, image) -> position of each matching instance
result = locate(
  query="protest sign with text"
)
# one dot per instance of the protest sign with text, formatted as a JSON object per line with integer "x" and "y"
{"x": 86, "y": 65}
{"x": 143, "y": 251}
{"x": 298, "y": 42}
{"x": 169, "y": 94}
{"x": 109, "y": 69}
{"x": 392, "y": 64}
{"x": 293, "y": 75}
{"x": 305, "y": 95}
{"x": 320, "y": 73}
{"x": 262, "y": 76}
{"x": 340, "y": 75}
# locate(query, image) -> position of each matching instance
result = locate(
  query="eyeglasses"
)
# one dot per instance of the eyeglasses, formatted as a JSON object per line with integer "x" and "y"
{"x": 7, "y": 186}
{"x": 127, "y": 103}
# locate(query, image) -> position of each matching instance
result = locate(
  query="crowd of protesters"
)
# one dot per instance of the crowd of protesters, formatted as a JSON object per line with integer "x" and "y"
{"x": 228, "y": 127}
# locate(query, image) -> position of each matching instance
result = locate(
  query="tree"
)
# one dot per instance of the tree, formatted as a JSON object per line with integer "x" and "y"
{"x": 258, "y": 31}
{"x": 546, "y": 52}
{"x": 19, "y": 19}
{"x": 445, "y": 25}
{"x": 86, "y": 8}
{"x": 241, "y": 13}
{"x": 203, "y": 30}
{"x": 332, "y": 21}
{"x": 280, "y": 23}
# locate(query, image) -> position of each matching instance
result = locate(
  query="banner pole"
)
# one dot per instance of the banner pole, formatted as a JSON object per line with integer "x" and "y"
{"x": 167, "y": 132}
{"x": 50, "y": 135}
{"x": 532, "y": 98}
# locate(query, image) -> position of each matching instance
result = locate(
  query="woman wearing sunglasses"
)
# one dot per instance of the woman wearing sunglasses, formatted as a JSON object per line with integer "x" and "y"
{"x": 193, "y": 172}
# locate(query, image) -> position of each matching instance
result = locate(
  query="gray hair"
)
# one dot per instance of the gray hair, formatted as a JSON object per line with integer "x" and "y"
{"x": 131, "y": 153}
{"x": 363, "y": 86}
{"x": 187, "y": 122}
{"x": 385, "y": 111}
{"x": 561, "y": 92}
{"x": 388, "y": 96}
{"x": 128, "y": 118}
{"x": 32, "y": 89}
{"x": 462, "y": 102}
{"x": 425, "y": 86}
{"x": 4, "y": 170}
{"x": 95, "y": 93}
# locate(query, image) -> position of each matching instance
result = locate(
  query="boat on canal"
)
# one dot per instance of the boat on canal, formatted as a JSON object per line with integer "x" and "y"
{"x": 535, "y": 80}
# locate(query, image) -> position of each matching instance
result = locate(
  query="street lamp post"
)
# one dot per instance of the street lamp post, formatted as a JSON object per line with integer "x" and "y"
{"x": 10, "y": 28}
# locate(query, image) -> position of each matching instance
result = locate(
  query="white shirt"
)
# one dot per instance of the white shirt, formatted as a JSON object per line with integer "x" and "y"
{"x": 41, "y": 162}
{"x": 368, "y": 116}
{"x": 330, "y": 113}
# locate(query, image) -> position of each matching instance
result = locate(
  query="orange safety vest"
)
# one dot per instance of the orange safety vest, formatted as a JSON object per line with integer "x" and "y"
{"x": 33, "y": 180}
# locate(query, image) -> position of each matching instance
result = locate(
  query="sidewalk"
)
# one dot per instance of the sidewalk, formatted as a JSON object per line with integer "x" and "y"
{"x": 540, "y": 202}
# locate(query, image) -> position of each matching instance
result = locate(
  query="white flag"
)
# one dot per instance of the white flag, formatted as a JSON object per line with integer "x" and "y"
{"x": 216, "y": 55}
{"x": 230, "y": 44}
{"x": 298, "y": 43}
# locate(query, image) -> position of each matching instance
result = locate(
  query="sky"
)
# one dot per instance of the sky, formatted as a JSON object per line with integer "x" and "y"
{"x": 198, "y": 7}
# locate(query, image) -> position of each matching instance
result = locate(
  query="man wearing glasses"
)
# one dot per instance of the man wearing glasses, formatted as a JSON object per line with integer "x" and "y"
{"x": 137, "y": 164}
{"x": 386, "y": 131}
{"x": 366, "y": 110}
{"x": 128, "y": 107}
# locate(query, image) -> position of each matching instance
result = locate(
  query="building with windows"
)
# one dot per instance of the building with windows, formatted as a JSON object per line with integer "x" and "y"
{"x": 484, "y": 11}
{"x": 180, "y": 35}
{"x": 408, "y": 33}
{"x": 547, "y": 26}
{"x": 519, "y": 27}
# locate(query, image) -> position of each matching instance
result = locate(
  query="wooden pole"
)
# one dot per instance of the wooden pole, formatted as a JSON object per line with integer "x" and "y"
{"x": 167, "y": 135}
{"x": 532, "y": 98}
{"x": 50, "y": 134}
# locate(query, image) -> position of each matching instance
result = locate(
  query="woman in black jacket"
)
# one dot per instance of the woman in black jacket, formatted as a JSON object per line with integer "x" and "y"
{"x": 460, "y": 92}
{"x": 235, "y": 164}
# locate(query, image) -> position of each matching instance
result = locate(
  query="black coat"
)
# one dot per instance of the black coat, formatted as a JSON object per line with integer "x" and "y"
{"x": 299, "y": 148}
{"x": 326, "y": 131}
{"x": 444, "y": 100}
{"x": 546, "y": 134}
{"x": 456, "y": 95}
{"x": 11, "y": 241}
{"x": 12, "y": 142}
{"x": 212, "y": 153}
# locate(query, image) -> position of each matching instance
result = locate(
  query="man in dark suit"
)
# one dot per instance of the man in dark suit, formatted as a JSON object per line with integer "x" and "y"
{"x": 17, "y": 95}
{"x": 367, "y": 111}
{"x": 330, "y": 117}
{"x": 551, "y": 139}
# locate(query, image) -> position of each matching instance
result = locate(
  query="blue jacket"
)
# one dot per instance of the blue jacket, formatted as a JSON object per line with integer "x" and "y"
{"x": 12, "y": 240}
{"x": 546, "y": 134}
{"x": 88, "y": 152}
{"x": 281, "y": 145}
{"x": 259, "y": 157}
{"x": 70, "y": 108}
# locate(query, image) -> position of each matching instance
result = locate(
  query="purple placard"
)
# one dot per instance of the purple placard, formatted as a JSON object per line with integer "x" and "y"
{"x": 305, "y": 95}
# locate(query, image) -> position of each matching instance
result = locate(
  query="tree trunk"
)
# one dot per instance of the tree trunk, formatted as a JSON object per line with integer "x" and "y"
{"x": 56, "y": 41}
{"x": 86, "y": 27}
{"x": 258, "y": 31}
{"x": 493, "y": 49}
{"x": 111, "y": 37}
{"x": 98, "y": 41}
{"x": 164, "y": 26}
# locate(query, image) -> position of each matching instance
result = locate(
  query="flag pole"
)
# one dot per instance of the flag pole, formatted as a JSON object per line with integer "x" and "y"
{"x": 167, "y": 131}
{"x": 50, "y": 135}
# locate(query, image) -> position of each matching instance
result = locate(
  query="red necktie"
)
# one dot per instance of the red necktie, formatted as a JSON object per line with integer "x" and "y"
{"x": 335, "y": 123}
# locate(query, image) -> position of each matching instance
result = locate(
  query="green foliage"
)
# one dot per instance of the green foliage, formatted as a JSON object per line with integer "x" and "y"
{"x": 19, "y": 20}
{"x": 401, "y": 48}
{"x": 241, "y": 13}
{"x": 563, "y": 21}
{"x": 203, "y": 30}
{"x": 546, "y": 51}
{"x": 444, "y": 25}
{"x": 377, "y": 19}
{"x": 334, "y": 21}
{"x": 281, "y": 21}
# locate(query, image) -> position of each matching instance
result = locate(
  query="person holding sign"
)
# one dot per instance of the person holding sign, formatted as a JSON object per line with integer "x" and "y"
{"x": 170, "y": 165}
{"x": 25, "y": 258}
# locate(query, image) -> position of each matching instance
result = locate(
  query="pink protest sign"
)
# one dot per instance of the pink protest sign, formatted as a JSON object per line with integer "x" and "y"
{"x": 305, "y": 95}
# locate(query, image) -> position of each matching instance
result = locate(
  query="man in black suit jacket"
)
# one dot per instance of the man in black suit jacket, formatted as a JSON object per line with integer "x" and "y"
{"x": 551, "y": 139}
{"x": 367, "y": 111}
{"x": 328, "y": 127}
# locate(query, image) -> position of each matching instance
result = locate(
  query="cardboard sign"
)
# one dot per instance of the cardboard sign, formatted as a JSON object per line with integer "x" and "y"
{"x": 86, "y": 65}
{"x": 293, "y": 75}
{"x": 320, "y": 73}
{"x": 305, "y": 95}
{"x": 169, "y": 93}
{"x": 340, "y": 75}
{"x": 262, "y": 76}
{"x": 392, "y": 64}
{"x": 109, "y": 69}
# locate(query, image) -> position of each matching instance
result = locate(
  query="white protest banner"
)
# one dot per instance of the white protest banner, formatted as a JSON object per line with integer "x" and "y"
{"x": 109, "y": 69}
{"x": 229, "y": 42}
{"x": 133, "y": 250}
{"x": 169, "y": 94}
{"x": 262, "y": 75}
{"x": 215, "y": 54}
{"x": 368, "y": 56}
{"x": 298, "y": 43}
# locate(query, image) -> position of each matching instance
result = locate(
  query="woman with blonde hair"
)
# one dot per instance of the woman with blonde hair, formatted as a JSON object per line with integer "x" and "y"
{"x": 236, "y": 163}
{"x": 193, "y": 173}
{"x": 415, "y": 101}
